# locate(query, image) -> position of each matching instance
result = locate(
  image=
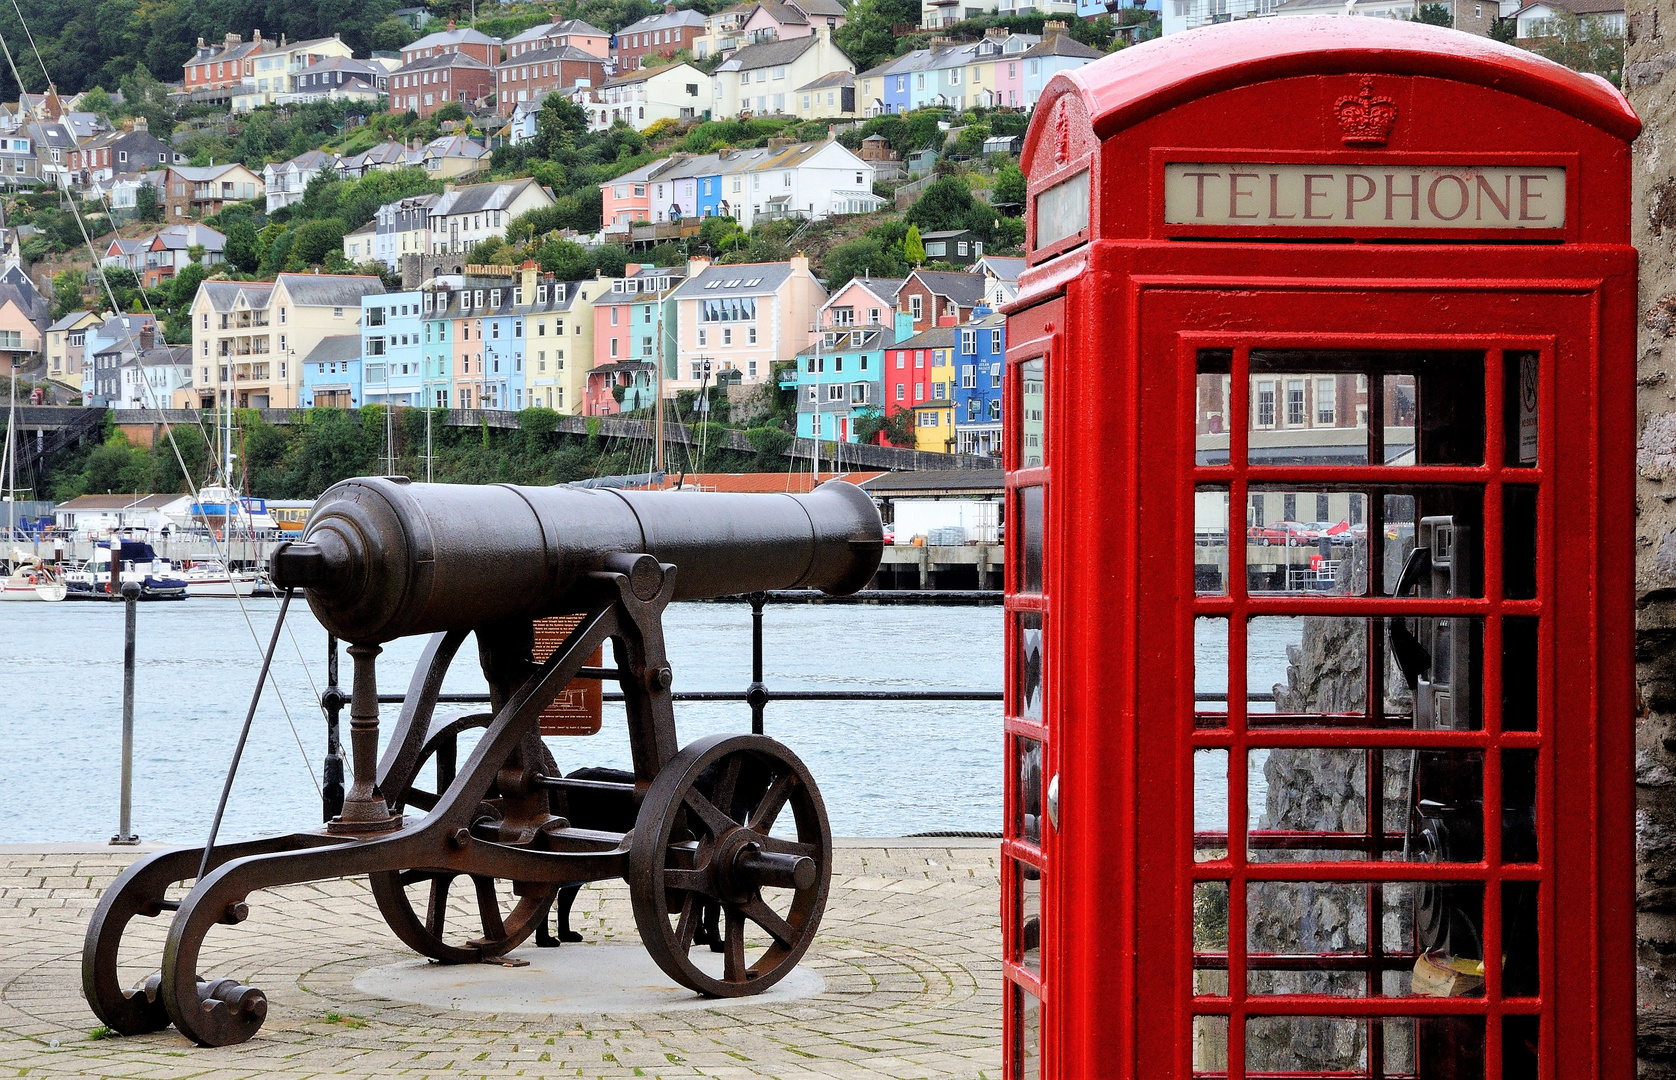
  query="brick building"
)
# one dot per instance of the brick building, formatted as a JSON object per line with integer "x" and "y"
{"x": 934, "y": 298}
{"x": 221, "y": 67}
{"x": 188, "y": 192}
{"x": 472, "y": 43}
{"x": 660, "y": 34}
{"x": 425, "y": 85}
{"x": 535, "y": 73}
{"x": 588, "y": 38}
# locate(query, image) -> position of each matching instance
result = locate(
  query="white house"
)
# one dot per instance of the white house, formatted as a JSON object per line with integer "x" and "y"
{"x": 461, "y": 217}
{"x": 641, "y": 98}
{"x": 813, "y": 180}
{"x": 763, "y": 79}
{"x": 1536, "y": 20}
{"x": 287, "y": 181}
{"x": 273, "y": 71}
{"x": 934, "y": 14}
{"x": 150, "y": 379}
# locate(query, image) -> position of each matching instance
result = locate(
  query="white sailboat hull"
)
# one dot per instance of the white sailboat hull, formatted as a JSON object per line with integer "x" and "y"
{"x": 48, "y": 591}
{"x": 225, "y": 587}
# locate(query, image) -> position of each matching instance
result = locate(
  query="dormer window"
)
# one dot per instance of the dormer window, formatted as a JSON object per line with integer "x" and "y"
{"x": 541, "y": 294}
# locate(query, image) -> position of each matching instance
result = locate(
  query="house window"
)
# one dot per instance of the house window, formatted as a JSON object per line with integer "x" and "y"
{"x": 995, "y": 341}
{"x": 901, "y": 391}
{"x": 1296, "y": 414}
{"x": 968, "y": 376}
{"x": 968, "y": 342}
{"x": 750, "y": 335}
{"x": 1326, "y": 411}
{"x": 1265, "y": 404}
{"x": 916, "y": 307}
{"x": 994, "y": 375}
{"x": 727, "y": 335}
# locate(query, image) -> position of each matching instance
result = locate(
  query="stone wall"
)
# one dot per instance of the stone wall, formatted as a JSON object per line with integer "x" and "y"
{"x": 1650, "y": 80}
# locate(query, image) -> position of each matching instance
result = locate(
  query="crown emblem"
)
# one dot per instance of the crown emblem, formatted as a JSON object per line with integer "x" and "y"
{"x": 1062, "y": 137}
{"x": 1364, "y": 119}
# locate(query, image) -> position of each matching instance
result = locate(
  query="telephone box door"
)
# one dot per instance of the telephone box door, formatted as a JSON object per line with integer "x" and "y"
{"x": 1391, "y": 730}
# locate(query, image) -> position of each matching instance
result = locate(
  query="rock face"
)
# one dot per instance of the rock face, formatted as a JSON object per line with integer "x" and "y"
{"x": 1325, "y": 790}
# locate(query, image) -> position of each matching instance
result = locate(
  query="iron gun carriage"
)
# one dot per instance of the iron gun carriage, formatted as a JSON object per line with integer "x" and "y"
{"x": 696, "y": 831}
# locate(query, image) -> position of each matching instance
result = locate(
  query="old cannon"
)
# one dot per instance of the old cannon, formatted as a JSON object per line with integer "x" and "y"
{"x": 383, "y": 559}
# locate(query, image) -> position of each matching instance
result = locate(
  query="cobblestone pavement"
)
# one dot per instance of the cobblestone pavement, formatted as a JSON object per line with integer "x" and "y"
{"x": 908, "y": 948}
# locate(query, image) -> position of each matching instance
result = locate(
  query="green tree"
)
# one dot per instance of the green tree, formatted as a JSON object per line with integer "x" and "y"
{"x": 1435, "y": 14}
{"x": 182, "y": 289}
{"x": 67, "y": 286}
{"x": 146, "y": 206}
{"x": 453, "y": 110}
{"x": 565, "y": 260}
{"x": 1586, "y": 44}
{"x": 314, "y": 239}
{"x": 1009, "y": 189}
{"x": 560, "y": 127}
{"x": 868, "y": 36}
{"x": 240, "y": 250}
{"x": 948, "y": 204}
{"x": 390, "y": 35}
{"x": 913, "y": 248}
{"x": 865, "y": 255}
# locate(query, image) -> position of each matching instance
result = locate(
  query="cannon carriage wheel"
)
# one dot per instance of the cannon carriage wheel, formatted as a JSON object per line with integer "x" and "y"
{"x": 503, "y": 928}
{"x": 703, "y": 836}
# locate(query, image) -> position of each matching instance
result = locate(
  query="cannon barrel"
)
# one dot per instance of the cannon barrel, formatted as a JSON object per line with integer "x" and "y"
{"x": 385, "y": 558}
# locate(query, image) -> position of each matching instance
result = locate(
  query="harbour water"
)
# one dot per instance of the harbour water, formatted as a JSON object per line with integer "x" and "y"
{"x": 884, "y": 769}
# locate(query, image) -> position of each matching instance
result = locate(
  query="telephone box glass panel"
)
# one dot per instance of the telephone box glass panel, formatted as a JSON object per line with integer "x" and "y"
{"x": 1363, "y": 610}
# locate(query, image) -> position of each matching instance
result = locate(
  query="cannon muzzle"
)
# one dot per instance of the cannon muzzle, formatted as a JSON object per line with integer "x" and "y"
{"x": 384, "y": 558}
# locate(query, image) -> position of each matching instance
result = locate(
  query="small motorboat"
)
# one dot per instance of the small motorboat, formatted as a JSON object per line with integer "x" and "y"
{"x": 137, "y": 562}
{"x": 212, "y": 578}
{"x": 31, "y": 579}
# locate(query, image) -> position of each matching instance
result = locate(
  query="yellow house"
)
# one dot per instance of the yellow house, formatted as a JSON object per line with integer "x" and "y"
{"x": 249, "y": 337}
{"x": 934, "y": 426}
{"x": 559, "y": 342}
{"x": 67, "y": 347}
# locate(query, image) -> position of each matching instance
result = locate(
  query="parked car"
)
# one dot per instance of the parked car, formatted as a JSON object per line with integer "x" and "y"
{"x": 1289, "y": 533}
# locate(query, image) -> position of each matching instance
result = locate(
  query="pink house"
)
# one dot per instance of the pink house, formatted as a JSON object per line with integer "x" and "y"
{"x": 625, "y": 200}
{"x": 775, "y": 21}
{"x": 20, "y": 338}
{"x": 862, "y": 303}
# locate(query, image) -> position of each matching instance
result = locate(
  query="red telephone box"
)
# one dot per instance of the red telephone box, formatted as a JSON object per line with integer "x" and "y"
{"x": 1319, "y": 597}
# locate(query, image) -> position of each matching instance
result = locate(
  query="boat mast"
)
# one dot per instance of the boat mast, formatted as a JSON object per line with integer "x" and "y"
{"x": 11, "y": 456}
{"x": 657, "y": 383}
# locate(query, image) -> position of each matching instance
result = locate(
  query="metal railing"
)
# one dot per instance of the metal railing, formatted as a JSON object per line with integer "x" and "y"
{"x": 757, "y": 695}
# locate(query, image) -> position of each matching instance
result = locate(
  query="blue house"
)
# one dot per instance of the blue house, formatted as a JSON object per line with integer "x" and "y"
{"x": 392, "y": 357}
{"x": 840, "y": 379}
{"x": 503, "y": 350}
{"x": 437, "y": 371}
{"x": 332, "y": 374}
{"x": 979, "y": 362}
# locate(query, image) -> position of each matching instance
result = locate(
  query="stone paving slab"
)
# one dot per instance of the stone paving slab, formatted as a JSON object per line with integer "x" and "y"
{"x": 908, "y": 949}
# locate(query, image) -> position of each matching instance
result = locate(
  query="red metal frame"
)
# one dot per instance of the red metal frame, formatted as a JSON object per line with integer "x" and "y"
{"x": 1122, "y": 310}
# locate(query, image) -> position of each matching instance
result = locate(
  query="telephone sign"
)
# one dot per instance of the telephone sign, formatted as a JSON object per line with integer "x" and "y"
{"x": 1319, "y": 601}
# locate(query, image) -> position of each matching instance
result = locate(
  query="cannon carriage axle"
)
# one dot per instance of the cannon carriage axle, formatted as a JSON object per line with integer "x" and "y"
{"x": 732, "y": 825}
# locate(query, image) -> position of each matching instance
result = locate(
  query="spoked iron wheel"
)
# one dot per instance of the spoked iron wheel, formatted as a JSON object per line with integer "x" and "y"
{"x": 416, "y": 903}
{"x": 703, "y": 835}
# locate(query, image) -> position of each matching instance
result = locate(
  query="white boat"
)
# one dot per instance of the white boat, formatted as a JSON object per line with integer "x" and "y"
{"x": 31, "y": 579}
{"x": 137, "y": 562}
{"x": 211, "y": 578}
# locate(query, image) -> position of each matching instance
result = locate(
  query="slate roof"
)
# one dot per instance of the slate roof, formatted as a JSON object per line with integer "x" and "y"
{"x": 736, "y": 279}
{"x": 784, "y": 14}
{"x": 938, "y": 337}
{"x": 964, "y": 289}
{"x": 872, "y": 338}
{"x": 455, "y": 146}
{"x": 223, "y": 294}
{"x": 440, "y": 61}
{"x": 68, "y": 321}
{"x": 442, "y": 38}
{"x": 329, "y": 290}
{"x": 830, "y": 81}
{"x": 768, "y": 54}
{"x": 936, "y": 481}
{"x": 822, "y": 8}
{"x": 885, "y": 289}
{"x": 642, "y": 74}
{"x": 335, "y": 349}
{"x": 555, "y": 53}
{"x": 557, "y": 28}
{"x": 479, "y": 197}
{"x": 1004, "y": 267}
{"x": 163, "y": 356}
{"x": 663, "y": 20}
{"x": 1063, "y": 45}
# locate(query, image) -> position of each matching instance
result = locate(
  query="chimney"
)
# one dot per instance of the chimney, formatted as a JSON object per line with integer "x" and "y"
{"x": 776, "y": 145}
{"x": 450, "y": 25}
{"x": 996, "y": 33}
{"x": 697, "y": 265}
{"x": 669, "y": 9}
{"x": 233, "y": 39}
{"x": 256, "y": 35}
{"x": 200, "y": 43}
{"x": 799, "y": 263}
{"x": 148, "y": 336}
{"x": 527, "y": 274}
{"x": 139, "y": 123}
{"x": 1052, "y": 28}
{"x": 945, "y": 42}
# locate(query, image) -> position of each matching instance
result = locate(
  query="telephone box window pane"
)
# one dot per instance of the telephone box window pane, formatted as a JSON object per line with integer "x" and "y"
{"x": 1521, "y": 975}
{"x": 1210, "y": 1045}
{"x": 1325, "y": 407}
{"x": 1519, "y": 1046}
{"x": 1210, "y": 805}
{"x": 1027, "y": 1034}
{"x": 1210, "y": 936}
{"x": 1518, "y": 673}
{"x": 1062, "y": 210}
{"x": 1518, "y": 542}
{"x": 1210, "y": 672}
{"x": 1312, "y": 803}
{"x": 1032, "y": 377}
{"x": 1033, "y": 501}
{"x": 1430, "y": 1046}
{"x": 1522, "y": 411}
{"x": 1326, "y": 554}
{"x": 1028, "y": 691}
{"x": 1027, "y": 907}
{"x": 1027, "y": 768}
{"x": 1518, "y": 803}
{"x": 1210, "y": 541}
{"x": 1313, "y": 937}
{"x": 1212, "y": 405}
